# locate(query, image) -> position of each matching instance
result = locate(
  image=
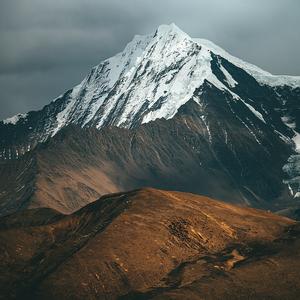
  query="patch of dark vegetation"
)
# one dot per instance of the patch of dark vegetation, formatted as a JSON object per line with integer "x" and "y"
{"x": 179, "y": 229}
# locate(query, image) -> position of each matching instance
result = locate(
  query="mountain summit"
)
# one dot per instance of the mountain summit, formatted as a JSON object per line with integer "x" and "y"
{"x": 169, "y": 111}
{"x": 151, "y": 78}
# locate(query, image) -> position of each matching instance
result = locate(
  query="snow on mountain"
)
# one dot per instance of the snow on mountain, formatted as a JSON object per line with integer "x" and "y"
{"x": 154, "y": 75}
{"x": 259, "y": 74}
{"x": 246, "y": 117}
{"x": 15, "y": 119}
{"x": 152, "y": 78}
{"x": 292, "y": 167}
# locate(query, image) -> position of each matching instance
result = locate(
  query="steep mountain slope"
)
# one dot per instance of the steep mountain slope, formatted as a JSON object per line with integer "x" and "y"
{"x": 154, "y": 76}
{"x": 190, "y": 117}
{"x": 226, "y": 162}
{"x": 103, "y": 251}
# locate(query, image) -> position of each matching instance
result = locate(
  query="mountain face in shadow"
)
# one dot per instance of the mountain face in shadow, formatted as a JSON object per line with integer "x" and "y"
{"x": 78, "y": 165}
{"x": 149, "y": 244}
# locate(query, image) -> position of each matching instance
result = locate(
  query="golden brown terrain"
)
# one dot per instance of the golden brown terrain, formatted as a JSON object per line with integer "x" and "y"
{"x": 150, "y": 244}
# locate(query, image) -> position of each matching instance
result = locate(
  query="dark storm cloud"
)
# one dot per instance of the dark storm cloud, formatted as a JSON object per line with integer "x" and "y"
{"x": 48, "y": 46}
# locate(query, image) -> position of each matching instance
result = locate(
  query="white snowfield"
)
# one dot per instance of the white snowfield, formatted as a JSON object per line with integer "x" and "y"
{"x": 156, "y": 74}
{"x": 14, "y": 119}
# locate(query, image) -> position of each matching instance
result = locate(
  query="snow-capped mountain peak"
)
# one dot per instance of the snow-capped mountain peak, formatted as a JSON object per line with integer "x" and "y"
{"x": 228, "y": 115}
{"x": 151, "y": 78}
{"x": 154, "y": 76}
{"x": 167, "y": 30}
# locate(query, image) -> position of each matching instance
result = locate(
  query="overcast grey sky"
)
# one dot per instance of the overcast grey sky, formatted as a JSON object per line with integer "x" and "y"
{"x": 48, "y": 46}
